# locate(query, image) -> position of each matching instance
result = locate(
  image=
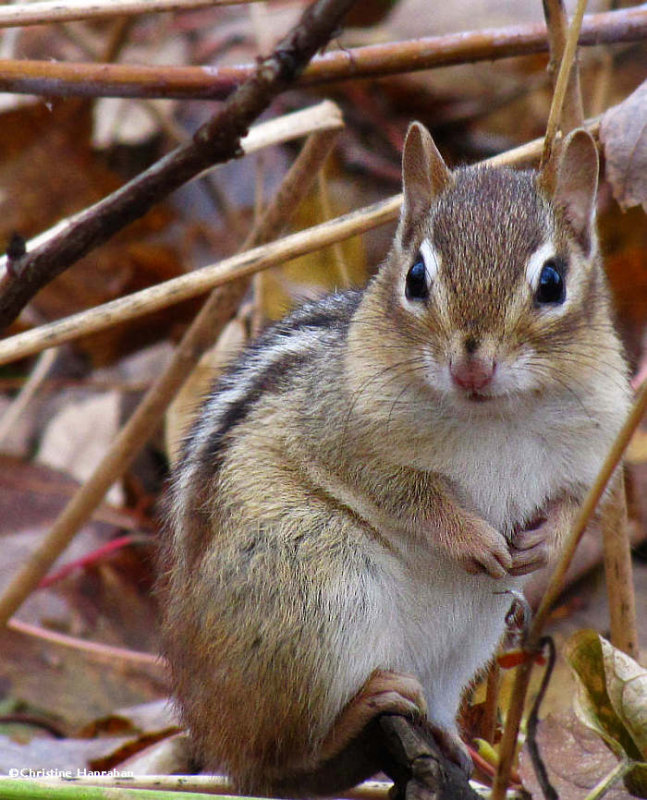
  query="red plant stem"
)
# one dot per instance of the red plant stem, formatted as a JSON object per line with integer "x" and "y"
{"x": 88, "y": 559}
{"x": 216, "y": 83}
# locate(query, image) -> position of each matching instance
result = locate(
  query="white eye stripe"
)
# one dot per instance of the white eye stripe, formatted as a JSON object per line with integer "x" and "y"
{"x": 536, "y": 263}
{"x": 431, "y": 259}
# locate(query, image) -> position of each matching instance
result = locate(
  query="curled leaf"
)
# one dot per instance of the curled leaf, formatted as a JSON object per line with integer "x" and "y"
{"x": 623, "y": 132}
{"x": 612, "y": 700}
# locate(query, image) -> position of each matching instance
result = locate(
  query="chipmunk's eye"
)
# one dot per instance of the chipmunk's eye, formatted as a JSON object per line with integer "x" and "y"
{"x": 551, "y": 287}
{"x": 416, "y": 286}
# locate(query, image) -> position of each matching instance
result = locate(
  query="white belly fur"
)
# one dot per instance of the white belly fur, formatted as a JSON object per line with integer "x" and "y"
{"x": 447, "y": 622}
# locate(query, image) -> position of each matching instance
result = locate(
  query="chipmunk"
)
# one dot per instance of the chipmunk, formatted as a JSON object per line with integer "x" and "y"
{"x": 374, "y": 473}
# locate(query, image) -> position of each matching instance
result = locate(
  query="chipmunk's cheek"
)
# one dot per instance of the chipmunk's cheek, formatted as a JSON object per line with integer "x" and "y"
{"x": 518, "y": 375}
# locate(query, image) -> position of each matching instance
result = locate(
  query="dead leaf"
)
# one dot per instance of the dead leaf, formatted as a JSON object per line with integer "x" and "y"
{"x": 48, "y": 171}
{"x": 77, "y": 438}
{"x": 623, "y": 132}
{"x": 574, "y": 757}
{"x": 171, "y": 756}
{"x": 106, "y": 603}
{"x": 611, "y": 700}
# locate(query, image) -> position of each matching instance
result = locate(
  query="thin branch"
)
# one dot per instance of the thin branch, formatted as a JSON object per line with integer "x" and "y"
{"x": 201, "y": 280}
{"x": 538, "y": 764}
{"x": 98, "y": 652}
{"x": 52, "y": 251}
{"x": 566, "y": 78}
{"x": 146, "y": 417}
{"x": 67, "y": 79}
{"x": 557, "y": 23}
{"x": 26, "y": 394}
{"x": 23, "y": 14}
{"x": 216, "y": 141}
{"x": 555, "y": 586}
{"x": 618, "y": 571}
{"x": 491, "y": 706}
{"x": 205, "y": 784}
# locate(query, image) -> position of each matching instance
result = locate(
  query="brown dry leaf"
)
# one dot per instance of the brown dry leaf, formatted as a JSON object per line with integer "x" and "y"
{"x": 170, "y": 756}
{"x": 623, "y": 132}
{"x": 48, "y": 171}
{"x": 78, "y": 436}
{"x": 104, "y": 603}
{"x": 575, "y": 758}
{"x": 145, "y": 726}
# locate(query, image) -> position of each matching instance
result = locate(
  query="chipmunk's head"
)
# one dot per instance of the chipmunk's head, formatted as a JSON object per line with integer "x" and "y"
{"x": 494, "y": 277}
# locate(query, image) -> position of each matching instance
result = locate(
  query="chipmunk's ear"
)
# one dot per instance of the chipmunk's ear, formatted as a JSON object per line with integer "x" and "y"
{"x": 424, "y": 177}
{"x": 576, "y": 184}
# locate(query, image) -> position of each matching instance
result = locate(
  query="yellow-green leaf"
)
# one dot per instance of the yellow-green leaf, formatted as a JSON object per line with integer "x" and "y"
{"x": 612, "y": 700}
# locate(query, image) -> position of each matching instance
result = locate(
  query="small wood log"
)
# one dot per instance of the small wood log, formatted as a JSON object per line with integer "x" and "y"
{"x": 418, "y": 769}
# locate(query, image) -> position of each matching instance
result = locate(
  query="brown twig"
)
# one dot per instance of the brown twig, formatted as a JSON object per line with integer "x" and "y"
{"x": 418, "y": 768}
{"x": 567, "y": 83}
{"x": 67, "y": 10}
{"x": 618, "y": 571}
{"x": 216, "y": 141}
{"x": 201, "y": 280}
{"x": 490, "y": 712}
{"x": 39, "y": 374}
{"x": 557, "y": 24}
{"x": 97, "y": 651}
{"x": 53, "y": 79}
{"x": 555, "y": 585}
{"x": 533, "y": 721}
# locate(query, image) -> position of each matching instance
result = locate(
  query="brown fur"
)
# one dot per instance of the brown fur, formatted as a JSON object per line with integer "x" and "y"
{"x": 340, "y": 514}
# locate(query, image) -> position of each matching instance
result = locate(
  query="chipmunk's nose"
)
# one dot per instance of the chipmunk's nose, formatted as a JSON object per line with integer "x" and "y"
{"x": 472, "y": 373}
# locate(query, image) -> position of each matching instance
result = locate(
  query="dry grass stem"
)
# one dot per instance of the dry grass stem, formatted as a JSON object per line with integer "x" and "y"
{"x": 567, "y": 68}
{"x": 557, "y": 23}
{"x": 325, "y": 116}
{"x": 98, "y": 652}
{"x": 26, "y": 394}
{"x": 618, "y": 571}
{"x": 243, "y": 265}
{"x": 340, "y": 267}
{"x": 199, "y": 281}
{"x": 555, "y": 586}
{"x": 23, "y": 14}
{"x": 205, "y": 784}
{"x": 65, "y": 79}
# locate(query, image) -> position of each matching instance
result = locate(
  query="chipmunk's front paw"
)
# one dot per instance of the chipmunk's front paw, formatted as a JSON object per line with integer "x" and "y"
{"x": 529, "y": 548}
{"x": 484, "y": 549}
